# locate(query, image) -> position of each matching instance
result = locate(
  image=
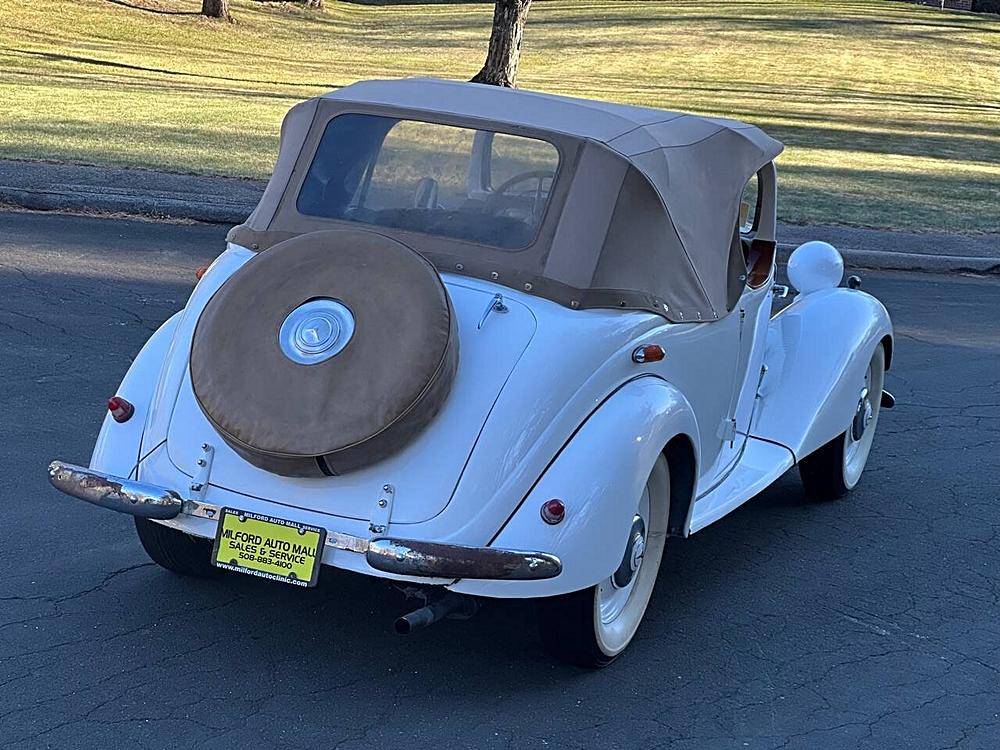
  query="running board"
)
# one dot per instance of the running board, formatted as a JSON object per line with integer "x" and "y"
{"x": 760, "y": 465}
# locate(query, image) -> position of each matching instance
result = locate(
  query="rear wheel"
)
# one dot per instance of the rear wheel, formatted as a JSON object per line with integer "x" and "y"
{"x": 174, "y": 550}
{"x": 591, "y": 627}
{"x": 835, "y": 469}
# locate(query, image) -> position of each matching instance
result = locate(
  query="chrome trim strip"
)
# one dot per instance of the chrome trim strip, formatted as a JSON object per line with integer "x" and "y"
{"x": 407, "y": 557}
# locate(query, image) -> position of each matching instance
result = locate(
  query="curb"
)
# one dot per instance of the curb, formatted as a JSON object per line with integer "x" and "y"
{"x": 218, "y": 210}
{"x": 108, "y": 201}
{"x": 880, "y": 260}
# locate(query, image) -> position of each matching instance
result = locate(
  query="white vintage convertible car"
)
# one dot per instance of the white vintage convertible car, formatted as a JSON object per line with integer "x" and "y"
{"x": 498, "y": 343}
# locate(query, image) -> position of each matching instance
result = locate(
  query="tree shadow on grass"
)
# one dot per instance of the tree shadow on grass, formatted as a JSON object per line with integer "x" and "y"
{"x": 153, "y": 85}
{"x": 907, "y": 199}
{"x": 953, "y": 145}
{"x": 53, "y": 56}
{"x": 418, "y": 2}
{"x": 159, "y": 11}
{"x": 815, "y": 94}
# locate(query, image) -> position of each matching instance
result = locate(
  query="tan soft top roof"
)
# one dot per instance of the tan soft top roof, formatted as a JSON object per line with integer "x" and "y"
{"x": 645, "y": 216}
{"x": 628, "y": 129}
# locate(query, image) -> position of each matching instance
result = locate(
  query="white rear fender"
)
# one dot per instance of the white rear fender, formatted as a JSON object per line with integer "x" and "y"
{"x": 600, "y": 475}
{"x": 818, "y": 349}
{"x": 118, "y": 444}
{"x": 175, "y": 357}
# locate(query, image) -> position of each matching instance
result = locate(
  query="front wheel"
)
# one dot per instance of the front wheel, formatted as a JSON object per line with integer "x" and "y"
{"x": 591, "y": 627}
{"x": 835, "y": 469}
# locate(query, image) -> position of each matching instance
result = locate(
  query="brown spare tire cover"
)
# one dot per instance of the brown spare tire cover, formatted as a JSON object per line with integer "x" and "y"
{"x": 350, "y": 405}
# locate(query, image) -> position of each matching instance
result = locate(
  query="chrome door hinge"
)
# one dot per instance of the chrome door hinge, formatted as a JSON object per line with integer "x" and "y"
{"x": 760, "y": 379}
{"x": 379, "y": 523}
{"x": 199, "y": 485}
{"x": 727, "y": 431}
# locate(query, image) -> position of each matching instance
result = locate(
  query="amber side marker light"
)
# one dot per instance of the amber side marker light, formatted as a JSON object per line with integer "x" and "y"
{"x": 121, "y": 410}
{"x": 648, "y": 353}
{"x": 553, "y": 511}
{"x": 200, "y": 271}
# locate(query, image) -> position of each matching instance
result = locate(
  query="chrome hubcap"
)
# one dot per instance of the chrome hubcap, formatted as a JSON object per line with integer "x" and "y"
{"x": 613, "y": 593}
{"x": 863, "y": 416}
{"x": 316, "y": 331}
{"x": 633, "y": 555}
{"x": 862, "y": 430}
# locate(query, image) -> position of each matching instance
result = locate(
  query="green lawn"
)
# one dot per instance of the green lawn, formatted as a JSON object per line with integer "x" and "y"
{"x": 890, "y": 111}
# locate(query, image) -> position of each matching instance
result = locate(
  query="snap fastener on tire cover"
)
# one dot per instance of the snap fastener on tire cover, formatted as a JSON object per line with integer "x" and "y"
{"x": 288, "y": 357}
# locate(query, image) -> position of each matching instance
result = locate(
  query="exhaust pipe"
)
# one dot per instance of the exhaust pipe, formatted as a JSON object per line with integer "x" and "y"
{"x": 456, "y": 606}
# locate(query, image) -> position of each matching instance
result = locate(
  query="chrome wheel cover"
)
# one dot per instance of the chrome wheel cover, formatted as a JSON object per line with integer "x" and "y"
{"x": 316, "y": 331}
{"x": 860, "y": 435}
{"x": 612, "y": 597}
{"x": 618, "y": 610}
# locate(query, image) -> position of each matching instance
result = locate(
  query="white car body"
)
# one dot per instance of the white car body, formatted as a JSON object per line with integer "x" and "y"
{"x": 553, "y": 395}
{"x": 547, "y": 403}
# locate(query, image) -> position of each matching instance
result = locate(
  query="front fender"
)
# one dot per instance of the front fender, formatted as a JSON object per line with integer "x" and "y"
{"x": 818, "y": 349}
{"x": 599, "y": 475}
{"x": 118, "y": 445}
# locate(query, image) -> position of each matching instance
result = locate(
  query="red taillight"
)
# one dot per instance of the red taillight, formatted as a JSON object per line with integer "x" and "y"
{"x": 121, "y": 410}
{"x": 200, "y": 271}
{"x": 648, "y": 353}
{"x": 553, "y": 511}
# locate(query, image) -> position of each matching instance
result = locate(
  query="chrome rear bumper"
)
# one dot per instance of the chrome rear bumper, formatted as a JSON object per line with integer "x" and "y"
{"x": 410, "y": 557}
{"x": 407, "y": 557}
{"x": 124, "y": 495}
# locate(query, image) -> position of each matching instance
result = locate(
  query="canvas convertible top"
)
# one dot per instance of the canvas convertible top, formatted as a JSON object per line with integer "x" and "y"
{"x": 642, "y": 212}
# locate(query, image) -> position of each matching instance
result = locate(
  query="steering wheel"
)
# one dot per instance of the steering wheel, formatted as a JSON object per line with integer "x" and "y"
{"x": 500, "y": 196}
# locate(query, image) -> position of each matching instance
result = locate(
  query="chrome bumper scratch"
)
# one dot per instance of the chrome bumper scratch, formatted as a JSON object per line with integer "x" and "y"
{"x": 416, "y": 558}
{"x": 115, "y": 493}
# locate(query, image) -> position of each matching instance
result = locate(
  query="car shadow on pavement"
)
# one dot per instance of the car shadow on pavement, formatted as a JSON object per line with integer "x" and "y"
{"x": 344, "y": 625}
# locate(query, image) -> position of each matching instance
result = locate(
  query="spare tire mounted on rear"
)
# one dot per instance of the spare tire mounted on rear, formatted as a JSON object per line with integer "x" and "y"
{"x": 325, "y": 353}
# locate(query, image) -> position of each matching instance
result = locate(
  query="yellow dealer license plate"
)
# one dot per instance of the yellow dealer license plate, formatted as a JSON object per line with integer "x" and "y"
{"x": 267, "y": 547}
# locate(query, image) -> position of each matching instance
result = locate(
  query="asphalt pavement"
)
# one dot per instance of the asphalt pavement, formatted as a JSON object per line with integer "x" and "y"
{"x": 866, "y": 623}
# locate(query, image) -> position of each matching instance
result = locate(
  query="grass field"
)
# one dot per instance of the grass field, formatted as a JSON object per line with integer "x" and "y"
{"x": 890, "y": 111}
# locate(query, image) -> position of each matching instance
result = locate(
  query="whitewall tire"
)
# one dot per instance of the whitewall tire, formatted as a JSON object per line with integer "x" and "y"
{"x": 591, "y": 627}
{"x": 835, "y": 469}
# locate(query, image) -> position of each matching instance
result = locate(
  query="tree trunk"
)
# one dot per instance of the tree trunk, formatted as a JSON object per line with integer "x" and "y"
{"x": 216, "y": 9}
{"x": 500, "y": 68}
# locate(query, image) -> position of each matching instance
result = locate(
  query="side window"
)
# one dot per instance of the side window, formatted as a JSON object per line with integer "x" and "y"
{"x": 749, "y": 206}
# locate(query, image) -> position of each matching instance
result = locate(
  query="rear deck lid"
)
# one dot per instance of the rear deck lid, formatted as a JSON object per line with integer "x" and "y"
{"x": 425, "y": 472}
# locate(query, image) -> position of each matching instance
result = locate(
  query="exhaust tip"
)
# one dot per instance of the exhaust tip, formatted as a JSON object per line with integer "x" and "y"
{"x": 449, "y": 605}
